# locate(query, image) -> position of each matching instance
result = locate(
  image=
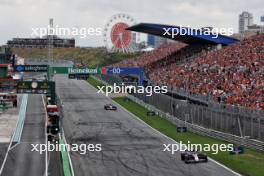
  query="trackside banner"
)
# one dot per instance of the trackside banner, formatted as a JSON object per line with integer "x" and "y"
{"x": 104, "y": 71}
{"x": 83, "y": 70}
{"x": 31, "y": 68}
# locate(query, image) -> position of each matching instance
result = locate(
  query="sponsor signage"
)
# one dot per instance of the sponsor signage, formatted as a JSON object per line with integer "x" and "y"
{"x": 83, "y": 70}
{"x": 71, "y": 76}
{"x": 237, "y": 150}
{"x": 124, "y": 71}
{"x": 31, "y": 68}
{"x": 35, "y": 87}
{"x": 121, "y": 70}
{"x": 104, "y": 70}
{"x": 181, "y": 129}
{"x": 82, "y": 76}
{"x": 79, "y": 76}
{"x": 151, "y": 113}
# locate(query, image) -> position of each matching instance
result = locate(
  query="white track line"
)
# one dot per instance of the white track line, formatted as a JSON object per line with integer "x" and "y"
{"x": 230, "y": 170}
{"x": 2, "y": 167}
{"x": 15, "y": 145}
{"x": 46, "y": 139}
{"x": 63, "y": 136}
{"x": 9, "y": 147}
{"x": 69, "y": 156}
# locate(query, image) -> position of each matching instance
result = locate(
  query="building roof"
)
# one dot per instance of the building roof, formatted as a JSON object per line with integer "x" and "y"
{"x": 191, "y": 37}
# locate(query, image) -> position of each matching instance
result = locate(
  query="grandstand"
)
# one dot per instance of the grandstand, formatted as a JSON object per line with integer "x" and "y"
{"x": 232, "y": 75}
{"x": 156, "y": 55}
{"x": 41, "y": 42}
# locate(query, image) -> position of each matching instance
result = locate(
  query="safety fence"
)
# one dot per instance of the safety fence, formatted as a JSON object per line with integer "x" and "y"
{"x": 239, "y": 126}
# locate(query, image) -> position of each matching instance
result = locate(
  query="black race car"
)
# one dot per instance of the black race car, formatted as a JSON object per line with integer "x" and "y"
{"x": 110, "y": 107}
{"x": 52, "y": 138}
{"x": 193, "y": 157}
{"x": 53, "y": 129}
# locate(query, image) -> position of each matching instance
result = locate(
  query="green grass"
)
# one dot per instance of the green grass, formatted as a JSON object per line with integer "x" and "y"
{"x": 94, "y": 82}
{"x": 251, "y": 163}
{"x": 65, "y": 160}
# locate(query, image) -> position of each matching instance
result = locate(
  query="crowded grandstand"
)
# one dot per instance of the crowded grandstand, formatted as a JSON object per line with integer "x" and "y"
{"x": 233, "y": 75}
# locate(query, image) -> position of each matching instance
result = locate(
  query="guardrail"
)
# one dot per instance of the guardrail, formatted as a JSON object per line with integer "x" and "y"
{"x": 251, "y": 143}
{"x": 244, "y": 141}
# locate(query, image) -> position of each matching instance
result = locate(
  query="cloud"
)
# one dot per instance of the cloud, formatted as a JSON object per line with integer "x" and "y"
{"x": 19, "y": 16}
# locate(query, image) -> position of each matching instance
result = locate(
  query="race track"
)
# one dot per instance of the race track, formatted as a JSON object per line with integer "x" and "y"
{"x": 129, "y": 147}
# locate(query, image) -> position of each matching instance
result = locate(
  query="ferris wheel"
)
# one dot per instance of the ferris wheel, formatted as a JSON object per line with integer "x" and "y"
{"x": 116, "y": 37}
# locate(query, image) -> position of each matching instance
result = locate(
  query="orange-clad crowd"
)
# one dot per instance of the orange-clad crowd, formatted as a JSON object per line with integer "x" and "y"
{"x": 233, "y": 74}
{"x": 148, "y": 58}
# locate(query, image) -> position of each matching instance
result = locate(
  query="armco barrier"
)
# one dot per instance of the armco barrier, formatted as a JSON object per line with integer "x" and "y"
{"x": 259, "y": 145}
{"x": 251, "y": 143}
{"x": 234, "y": 120}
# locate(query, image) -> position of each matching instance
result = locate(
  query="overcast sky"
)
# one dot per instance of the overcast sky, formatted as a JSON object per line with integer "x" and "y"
{"x": 18, "y": 17}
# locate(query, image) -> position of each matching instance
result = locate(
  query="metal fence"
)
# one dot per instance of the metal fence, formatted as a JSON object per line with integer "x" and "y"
{"x": 221, "y": 118}
{"x": 236, "y": 124}
{"x": 245, "y": 141}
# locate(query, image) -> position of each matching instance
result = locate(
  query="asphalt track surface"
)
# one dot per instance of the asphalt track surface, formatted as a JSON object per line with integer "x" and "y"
{"x": 21, "y": 161}
{"x": 129, "y": 147}
{"x": 3, "y": 149}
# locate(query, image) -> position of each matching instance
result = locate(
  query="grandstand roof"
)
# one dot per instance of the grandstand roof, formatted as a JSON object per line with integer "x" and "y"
{"x": 190, "y": 38}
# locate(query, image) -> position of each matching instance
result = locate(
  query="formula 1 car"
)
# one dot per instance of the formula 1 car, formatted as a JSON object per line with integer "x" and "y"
{"x": 110, "y": 107}
{"x": 193, "y": 157}
{"x": 52, "y": 110}
{"x": 52, "y": 138}
{"x": 53, "y": 129}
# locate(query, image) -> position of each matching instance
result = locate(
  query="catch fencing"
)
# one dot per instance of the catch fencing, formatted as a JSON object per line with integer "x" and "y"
{"x": 233, "y": 124}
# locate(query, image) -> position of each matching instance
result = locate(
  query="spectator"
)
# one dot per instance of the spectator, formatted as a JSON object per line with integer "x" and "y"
{"x": 234, "y": 74}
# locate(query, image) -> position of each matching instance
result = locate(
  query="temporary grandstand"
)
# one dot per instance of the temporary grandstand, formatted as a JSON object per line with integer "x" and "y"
{"x": 222, "y": 87}
{"x": 232, "y": 75}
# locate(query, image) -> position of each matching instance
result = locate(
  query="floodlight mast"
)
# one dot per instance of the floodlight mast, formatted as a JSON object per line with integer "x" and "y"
{"x": 50, "y": 45}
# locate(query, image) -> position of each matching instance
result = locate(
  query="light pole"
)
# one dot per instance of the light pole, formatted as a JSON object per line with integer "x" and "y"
{"x": 50, "y": 48}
